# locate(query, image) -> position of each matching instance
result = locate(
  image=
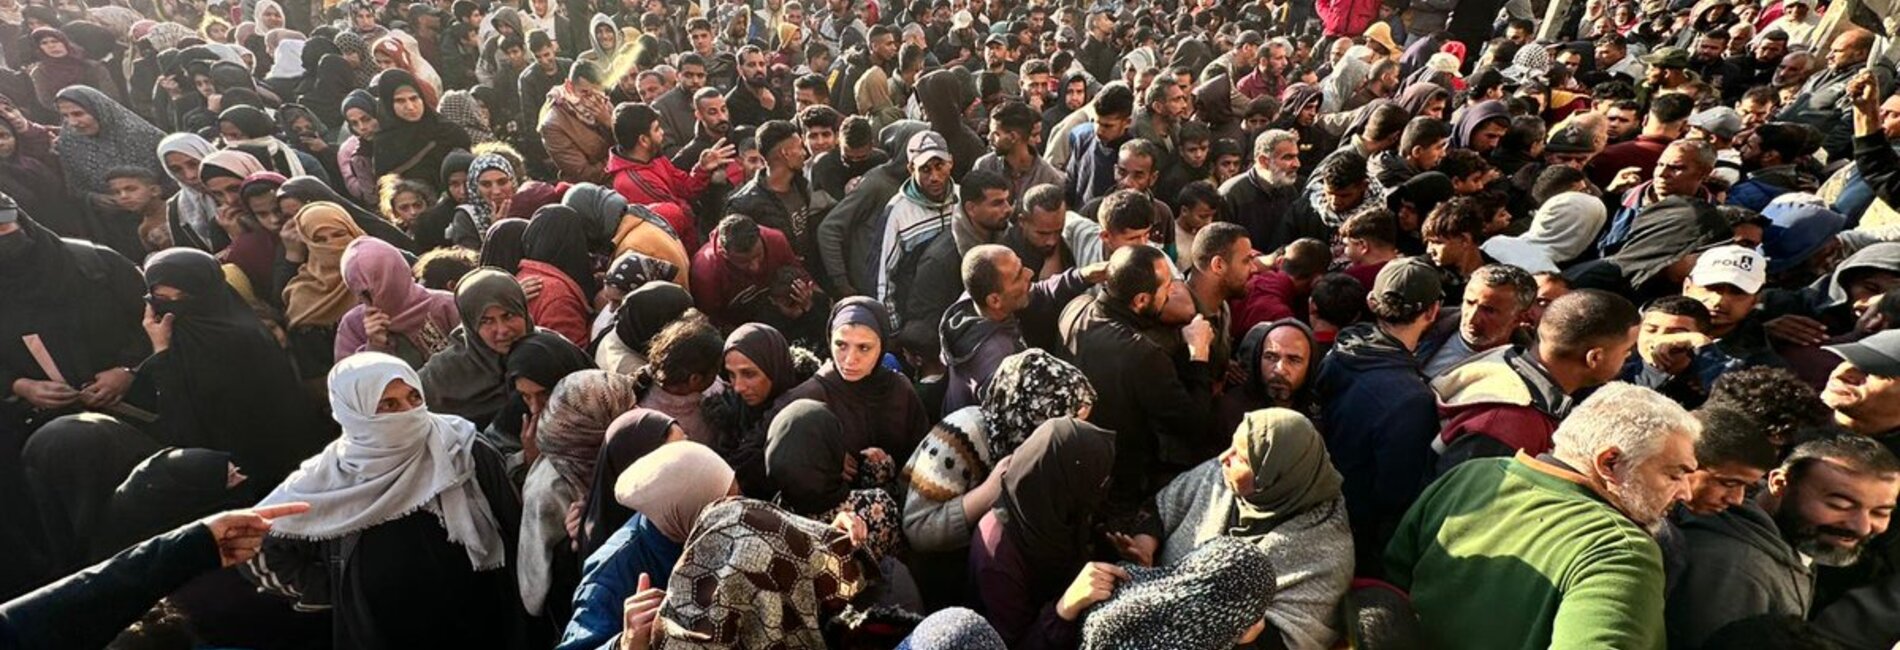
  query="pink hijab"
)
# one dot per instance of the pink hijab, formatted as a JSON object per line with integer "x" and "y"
{"x": 374, "y": 267}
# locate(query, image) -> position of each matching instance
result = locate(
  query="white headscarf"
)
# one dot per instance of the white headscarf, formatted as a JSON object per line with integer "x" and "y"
{"x": 287, "y": 61}
{"x": 1563, "y": 228}
{"x": 388, "y": 465}
{"x": 198, "y": 210}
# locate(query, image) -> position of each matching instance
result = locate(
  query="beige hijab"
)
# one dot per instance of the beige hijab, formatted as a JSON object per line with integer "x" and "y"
{"x": 671, "y": 485}
{"x": 318, "y": 295}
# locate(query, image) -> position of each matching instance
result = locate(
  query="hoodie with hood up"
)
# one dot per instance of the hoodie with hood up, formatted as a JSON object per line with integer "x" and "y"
{"x": 1497, "y": 403}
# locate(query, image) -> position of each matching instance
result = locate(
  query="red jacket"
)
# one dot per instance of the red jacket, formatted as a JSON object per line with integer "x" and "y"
{"x": 1503, "y": 395}
{"x": 728, "y": 295}
{"x": 658, "y": 184}
{"x": 1347, "y": 17}
{"x": 560, "y": 305}
{"x": 1270, "y": 296}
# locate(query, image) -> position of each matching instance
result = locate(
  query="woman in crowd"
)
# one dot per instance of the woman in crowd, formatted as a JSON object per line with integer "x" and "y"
{"x": 491, "y": 187}
{"x": 536, "y": 364}
{"x": 355, "y": 155}
{"x": 411, "y": 139}
{"x": 29, "y": 172}
{"x": 1038, "y": 539}
{"x": 1275, "y": 489}
{"x": 249, "y": 125}
{"x": 395, "y": 314}
{"x": 317, "y": 298}
{"x": 462, "y": 109}
{"x": 882, "y": 417}
{"x": 465, "y": 379}
{"x": 99, "y": 134}
{"x": 197, "y": 323}
{"x": 59, "y": 63}
{"x": 806, "y": 468}
{"x": 567, "y": 440}
{"x": 759, "y": 368}
{"x": 554, "y": 251}
{"x": 193, "y": 212}
{"x": 630, "y": 437}
{"x": 642, "y": 314}
{"x": 399, "y": 480}
{"x": 621, "y": 229}
{"x": 303, "y": 190}
{"x": 666, "y": 489}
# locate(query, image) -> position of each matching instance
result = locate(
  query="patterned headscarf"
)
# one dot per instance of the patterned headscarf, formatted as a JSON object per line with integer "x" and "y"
{"x": 574, "y": 424}
{"x": 1029, "y": 388}
{"x": 1203, "y": 603}
{"x": 124, "y": 138}
{"x": 755, "y": 576}
{"x": 478, "y": 209}
{"x": 461, "y": 108}
{"x": 353, "y": 43}
{"x": 955, "y": 628}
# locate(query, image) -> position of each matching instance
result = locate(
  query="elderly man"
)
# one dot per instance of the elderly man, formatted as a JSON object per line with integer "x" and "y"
{"x": 1554, "y": 550}
{"x": 1823, "y": 102}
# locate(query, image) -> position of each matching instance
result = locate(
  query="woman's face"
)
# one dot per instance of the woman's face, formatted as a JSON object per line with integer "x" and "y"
{"x": 532, "y": 393}
{"x": 500, "y": 328}
{"x": 288, "y": 206}
{"x": 7, "y": 143}
{"x": 398, "y": 397}
{"x": 330, "y": 236}
{"x": 271, "y": 17}
{"x": 52, "y": 48}
{"x": 408, "y": 104}
{"x": 363, "y": 124}
{"x": 747, "y": 379}
{"x": 855, "y": 349}
{"x": 78, "y": 119}
{"x": 458, "y": 187}
{"x": 264, "y": 208}
{"x": 204, "y": 85}
{"x": 1234, "y": 467}
{"x": 383, "y": 60}
{"x": 230, "y": 132}
{"x": 495, "y": 186}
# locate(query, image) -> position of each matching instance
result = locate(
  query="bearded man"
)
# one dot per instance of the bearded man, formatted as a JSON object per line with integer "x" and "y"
{"x": 1267, "y": 200}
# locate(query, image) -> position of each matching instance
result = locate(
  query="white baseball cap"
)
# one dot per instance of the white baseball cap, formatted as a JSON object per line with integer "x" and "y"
{"x": 1745, "y": 268}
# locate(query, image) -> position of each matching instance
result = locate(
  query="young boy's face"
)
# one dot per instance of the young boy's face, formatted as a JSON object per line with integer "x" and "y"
{"x": 132, "y": 195}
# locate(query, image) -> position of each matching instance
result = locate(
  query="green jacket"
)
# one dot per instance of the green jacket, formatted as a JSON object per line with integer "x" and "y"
{"x": 1505, "y": 553}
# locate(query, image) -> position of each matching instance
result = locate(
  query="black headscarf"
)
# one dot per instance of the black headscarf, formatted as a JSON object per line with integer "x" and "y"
{"x": 804, "y": 458}
{"x": 168, "y": 489}
{"x": 1057, "y": 479}
{"x": 410, "y": 149}
{"x": 648, "y": 309}
{"x": 545, "y": 358}
{"x": 557, "y": 235}
{"x": 630, "y": 437}
{"x": 207, "y": 401}
{"x": 502, "y": 247}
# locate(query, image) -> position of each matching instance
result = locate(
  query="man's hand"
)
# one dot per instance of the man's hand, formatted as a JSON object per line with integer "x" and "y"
{"x": 716, "y": 157}
{"x": 1094, "y": 584}
{"x": 45, "y": 395}
{"x": 1799, "y": 330}
{"x": 1199, "y": 335}
{"x": 107, "y": 387}
{"x": 1626, "y": 178}
{"x": 1673, "y": 353}
{"x": 313, "y": 142}
{"x": 239, "y": 533}
{"x": 1096, "y": 273}
{"x": 1864, "y": 90}
{"x": 640, "y": 613}
{"x": 376, "y": 327}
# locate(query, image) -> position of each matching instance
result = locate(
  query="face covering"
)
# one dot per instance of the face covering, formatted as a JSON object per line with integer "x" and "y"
{"x": 14, "y": 244}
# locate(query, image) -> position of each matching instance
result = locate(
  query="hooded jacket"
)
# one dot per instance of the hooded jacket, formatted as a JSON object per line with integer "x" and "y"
{"x": 1496, "y": 404}
{"x": 1469, "y": 121}
{"x": 1763, "y": 185}
{"x": 756, "y": 199}
{"x": 846, "y": 237}
{"x": 1736, "y": 565}
{"x": 973, "y": 346}
{"x": 944, "y": 95}
{"x": 1380, "y": 418}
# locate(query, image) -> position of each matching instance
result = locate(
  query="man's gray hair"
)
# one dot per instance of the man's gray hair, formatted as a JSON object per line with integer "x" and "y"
{"x": 1628, "y": 417}
{"x": 1523, "y": 287}
{"x": 1700, "y": 150}
{"x": 1263, "y": 144}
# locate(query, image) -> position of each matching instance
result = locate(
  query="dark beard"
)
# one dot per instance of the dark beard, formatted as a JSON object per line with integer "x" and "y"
{"x": 1806, "y": 538}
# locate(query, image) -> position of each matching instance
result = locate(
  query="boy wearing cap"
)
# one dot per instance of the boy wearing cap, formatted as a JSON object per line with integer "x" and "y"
{"x": 1727, "y": 281}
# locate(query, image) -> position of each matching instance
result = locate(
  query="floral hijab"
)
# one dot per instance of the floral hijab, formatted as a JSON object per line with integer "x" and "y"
{"x": 1029, "y": 388}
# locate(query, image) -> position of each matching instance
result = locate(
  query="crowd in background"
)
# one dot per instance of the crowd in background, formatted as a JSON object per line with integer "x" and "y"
{"x": 949, "y": 324}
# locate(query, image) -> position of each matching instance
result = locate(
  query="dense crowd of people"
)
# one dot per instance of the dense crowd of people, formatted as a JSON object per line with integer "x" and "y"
{"x": 949, "y": 324}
